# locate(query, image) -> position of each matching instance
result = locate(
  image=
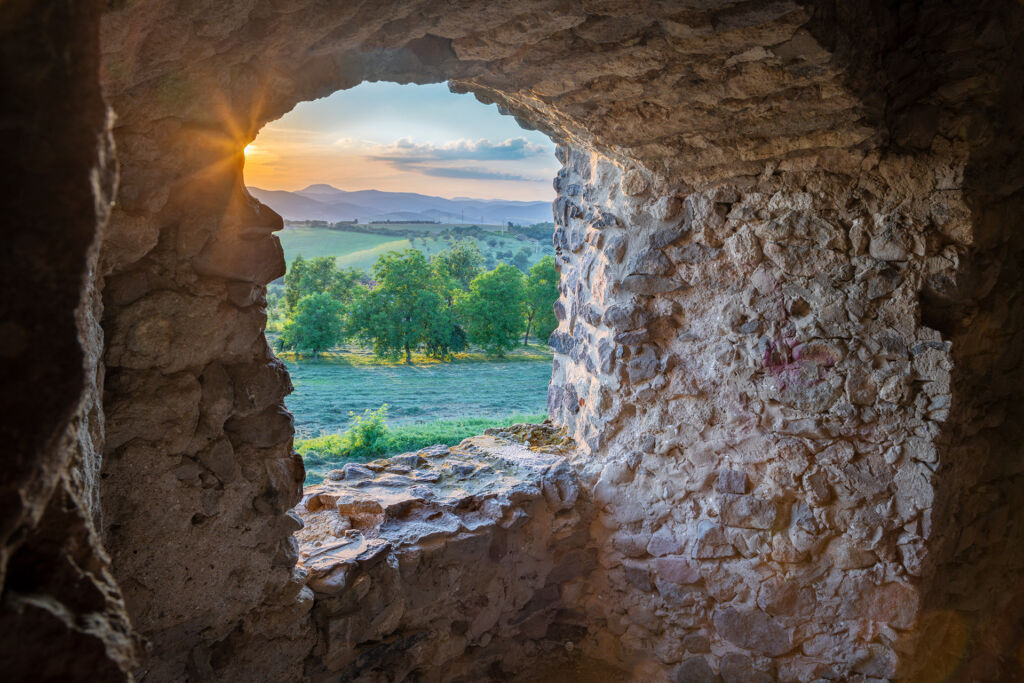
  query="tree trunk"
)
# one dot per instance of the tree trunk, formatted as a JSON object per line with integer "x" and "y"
{"x": 408, "y": 355}
{"x": 526, "y": 337}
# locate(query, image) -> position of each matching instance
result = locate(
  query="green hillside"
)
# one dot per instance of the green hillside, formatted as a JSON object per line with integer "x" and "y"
{"x": 362, "y": 249}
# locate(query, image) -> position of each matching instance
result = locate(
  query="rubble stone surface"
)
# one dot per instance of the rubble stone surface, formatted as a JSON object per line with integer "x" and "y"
{"x": 448, "y": 559}
{"x": 788, "y": 350}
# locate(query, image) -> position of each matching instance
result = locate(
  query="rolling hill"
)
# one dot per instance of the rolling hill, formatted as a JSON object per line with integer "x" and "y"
{"x": 327, "y": 203}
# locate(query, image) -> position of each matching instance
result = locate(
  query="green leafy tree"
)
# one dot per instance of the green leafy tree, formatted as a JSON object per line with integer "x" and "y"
{"x": 521, "y": 259}
{"x": 493, "y": 309}
{"x": 317, "y": 275}
{"x": 292, "y": 280}
{"x": 443, "y": 335}
{"x": 275, "y": 308}
{"x": 316, "y": 325}
{"x": 541, "y": 294}
{"x": 462, "y": 262}
{"x": 399, "y": 313}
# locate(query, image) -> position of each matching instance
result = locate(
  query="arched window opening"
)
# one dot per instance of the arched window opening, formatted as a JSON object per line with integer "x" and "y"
{"x": 418, "y": 298}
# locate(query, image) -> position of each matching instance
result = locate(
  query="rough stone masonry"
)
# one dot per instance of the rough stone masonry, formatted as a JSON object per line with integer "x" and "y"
{"x": 788, "y": 351}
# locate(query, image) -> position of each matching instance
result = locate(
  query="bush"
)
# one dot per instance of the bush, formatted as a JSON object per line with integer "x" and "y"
{"x": 413, "y": 437}
{"x": 365, "y": 438}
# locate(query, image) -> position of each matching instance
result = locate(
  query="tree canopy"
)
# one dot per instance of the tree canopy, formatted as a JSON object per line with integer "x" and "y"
{"x": 319, "y": 275}
{"x": 462, "y": 262}
{"x": 493, "y": 309}
{"x": 540, "y": 295}
{"x": 316, "y": 325}
{"x": 410, "y": 303}
{"x": 404, "y": 309}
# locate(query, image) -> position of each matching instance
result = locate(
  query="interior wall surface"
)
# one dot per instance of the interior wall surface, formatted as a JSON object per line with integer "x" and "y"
{"x": 61, "y": 612}
{"x": 790, "y": 317}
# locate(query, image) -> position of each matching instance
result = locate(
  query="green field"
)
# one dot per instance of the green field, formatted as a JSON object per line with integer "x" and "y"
{"x": 427, "y": 404}
{"x": 326, "y": 391}
{"x": 353, "y": 249}
{"x": 361, "y": 250}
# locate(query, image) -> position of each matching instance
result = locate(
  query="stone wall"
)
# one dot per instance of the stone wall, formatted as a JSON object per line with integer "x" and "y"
{"x": 193, "y": 396}
{"x": 788, "y": 347}
{"x": 448, "y": 564}
{"x": 61, "y": 614}
{"x": 763, "y": 374}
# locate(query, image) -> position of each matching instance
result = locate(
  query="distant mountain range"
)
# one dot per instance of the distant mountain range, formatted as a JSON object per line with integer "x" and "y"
{"x": 325, "y": 203}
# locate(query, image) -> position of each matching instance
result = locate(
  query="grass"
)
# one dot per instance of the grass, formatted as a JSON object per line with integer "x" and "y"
{"x": 361, "y": 250}
{"x": 330, "y": 451}
{"x": 363, "y": 357}
{"x": 328, "y": 390}
{"x": 353, "y": 249}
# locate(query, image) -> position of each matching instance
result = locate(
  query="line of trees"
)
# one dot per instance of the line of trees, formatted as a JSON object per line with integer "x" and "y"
{"x": 410, "y": 303}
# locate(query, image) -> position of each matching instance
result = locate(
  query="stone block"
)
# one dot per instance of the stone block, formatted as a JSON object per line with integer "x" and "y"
{"x": 747, "y": 511}
{"x": 712, "y": 542}
{"x": 650, "y": 262}
{"x": 621, "y": 317}
{"x": 752, "y": 629}
{"x": 664, "y": 542}
{"x": 737, "y": 668}
{"x": 638, "y": 574}
{"x": 633, "y": 183}
{"x": 695, "y": 670}
{"x": 731, "y": 481}
{"x": 679, "y": 570}
{"x": 696, "y": 642}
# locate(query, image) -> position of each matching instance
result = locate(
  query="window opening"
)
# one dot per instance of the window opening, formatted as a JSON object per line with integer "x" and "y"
{"x": 418, "y": 298}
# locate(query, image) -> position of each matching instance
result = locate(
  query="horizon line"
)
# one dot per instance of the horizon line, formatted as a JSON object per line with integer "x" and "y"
{"x": 374, "y": 189}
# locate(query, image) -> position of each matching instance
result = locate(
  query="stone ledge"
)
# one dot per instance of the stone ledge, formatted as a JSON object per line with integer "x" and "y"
{"x": 453, "y": 556}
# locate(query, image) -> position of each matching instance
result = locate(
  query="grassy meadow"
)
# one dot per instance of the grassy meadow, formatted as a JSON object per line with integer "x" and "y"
{"x": 428, "y": 403}
{"x": 360, "y": 250}
{"x": 351, "y": 249}
{"x": 326, "y": 391}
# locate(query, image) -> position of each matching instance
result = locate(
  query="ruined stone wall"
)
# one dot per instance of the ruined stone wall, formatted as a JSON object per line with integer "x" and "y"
{"x": 756, "y": 372}
{"x": 61, "y": 612}
{"x": 449, "y": 564}
{"x": 789, "y": 345}
{"x": 198, "y": 472}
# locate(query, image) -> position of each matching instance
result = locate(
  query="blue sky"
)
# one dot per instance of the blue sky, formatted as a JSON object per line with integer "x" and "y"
{"x": 407, "y": 138}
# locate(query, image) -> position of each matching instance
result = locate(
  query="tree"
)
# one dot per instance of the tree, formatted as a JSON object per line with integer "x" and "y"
{"x": 316, "y": 326}
{"x": 317, "y": 275}
{"x": 292, "y": 282}
{"x": 462, "y": 262}
{"x": 521, "y": 260}
{"x": 443, "y": 335}
{"x": 399, "y": 313}
{"x": 493, "y": 309}
{"x": 541, "y": 294}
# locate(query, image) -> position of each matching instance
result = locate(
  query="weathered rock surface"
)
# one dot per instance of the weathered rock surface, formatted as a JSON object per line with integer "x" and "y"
{"x": 62, "y": 616}
{"x": 771, "y": 450}
{"x": 789, "y": 249}
{"x": 448, "y": 559}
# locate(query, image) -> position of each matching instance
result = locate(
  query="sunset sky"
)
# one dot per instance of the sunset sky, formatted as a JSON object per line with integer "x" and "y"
{"x": 403, "y": 138}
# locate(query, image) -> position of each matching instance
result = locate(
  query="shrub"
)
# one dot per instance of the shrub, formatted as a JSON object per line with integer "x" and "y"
{"x": 366, "y": 433}
{"x": 365, "y": 438}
